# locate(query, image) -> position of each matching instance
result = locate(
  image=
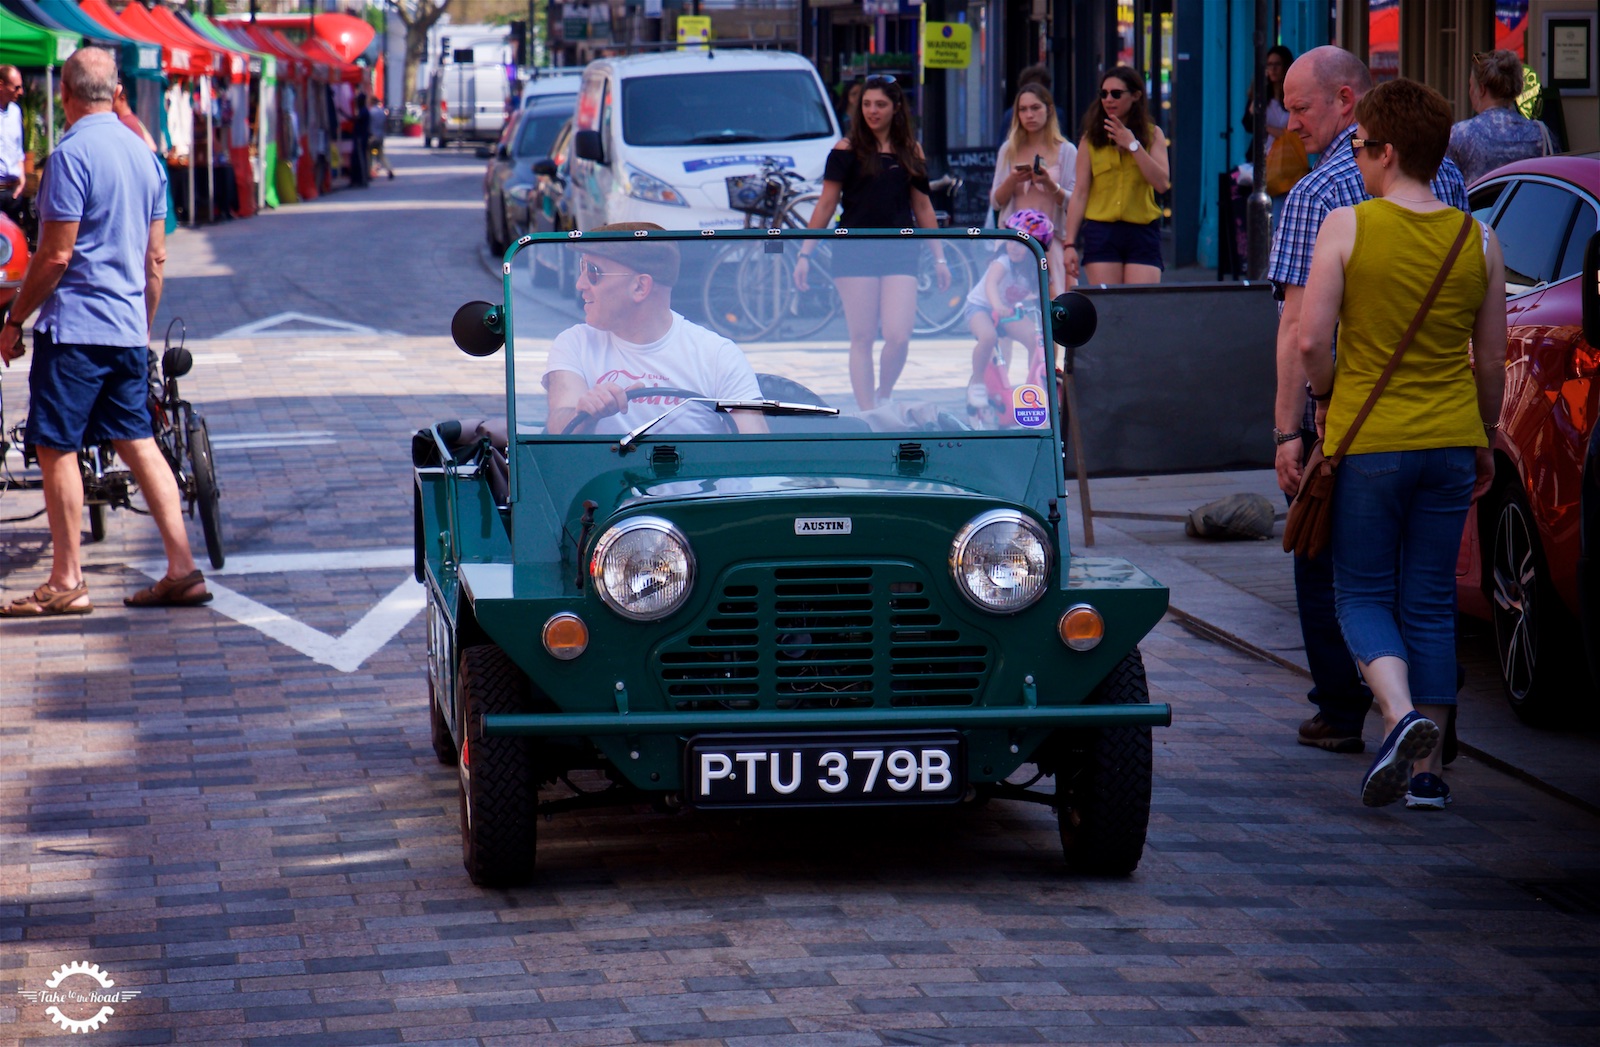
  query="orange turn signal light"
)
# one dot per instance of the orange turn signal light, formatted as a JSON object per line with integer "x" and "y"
{"x": 1082, "y": 628}
{"x": 565, "y": 636}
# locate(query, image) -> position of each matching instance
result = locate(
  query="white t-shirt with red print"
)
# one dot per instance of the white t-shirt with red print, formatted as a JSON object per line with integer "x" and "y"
{"x": 687, "y": 357}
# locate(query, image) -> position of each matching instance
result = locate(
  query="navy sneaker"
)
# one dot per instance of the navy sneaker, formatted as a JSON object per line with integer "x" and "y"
{"x": 1412, "y": 739}
{"x": 1428, "y": 792}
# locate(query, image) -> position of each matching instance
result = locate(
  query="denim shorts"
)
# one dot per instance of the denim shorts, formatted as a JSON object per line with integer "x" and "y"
{"x": 85, "y": 394}
{"x": 1122, "y": 242}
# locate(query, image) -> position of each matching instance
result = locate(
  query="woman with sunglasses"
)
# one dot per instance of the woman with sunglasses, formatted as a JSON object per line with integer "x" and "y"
{"x": 1035, "y": 169}
{"x": 878, "y": 179}
{"x": 1122, "y": 165}
{"x": 1415, "y": 463}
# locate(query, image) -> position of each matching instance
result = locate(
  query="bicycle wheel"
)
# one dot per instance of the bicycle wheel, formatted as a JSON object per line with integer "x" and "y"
{"x": 207, "y": 497}
{"x": 801, "y": 314}
{"x": 940, "y": 310}
{"x": 724, "y": 295}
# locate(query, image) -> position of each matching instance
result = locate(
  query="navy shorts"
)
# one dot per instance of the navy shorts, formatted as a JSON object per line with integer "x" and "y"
{"x": 1122, "y": 242}
{"x": 81, "y": 395}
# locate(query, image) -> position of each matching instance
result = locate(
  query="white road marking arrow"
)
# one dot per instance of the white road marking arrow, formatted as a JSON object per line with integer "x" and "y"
{"x": 345, "y": 653}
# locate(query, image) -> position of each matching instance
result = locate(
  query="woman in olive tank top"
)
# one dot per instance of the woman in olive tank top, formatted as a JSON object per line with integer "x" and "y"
{"x": 1421, "y": 456}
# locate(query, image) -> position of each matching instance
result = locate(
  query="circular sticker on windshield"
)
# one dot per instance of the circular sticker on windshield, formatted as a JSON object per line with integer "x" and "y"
{"x": 1029, "y": 408}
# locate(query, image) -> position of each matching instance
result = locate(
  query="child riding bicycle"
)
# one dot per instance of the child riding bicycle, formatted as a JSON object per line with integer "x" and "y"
{"x": 1009, "y": 285}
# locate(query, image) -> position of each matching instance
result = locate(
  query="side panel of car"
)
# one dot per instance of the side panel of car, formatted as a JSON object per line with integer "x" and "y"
{"x": 591, "y": 180}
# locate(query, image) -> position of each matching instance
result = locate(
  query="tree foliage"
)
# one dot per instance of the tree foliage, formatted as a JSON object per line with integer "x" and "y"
{"x": 418, "y": 16}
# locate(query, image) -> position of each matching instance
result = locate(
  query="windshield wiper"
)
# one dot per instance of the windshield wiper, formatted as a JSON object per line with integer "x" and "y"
{"x": 764, "y": 406}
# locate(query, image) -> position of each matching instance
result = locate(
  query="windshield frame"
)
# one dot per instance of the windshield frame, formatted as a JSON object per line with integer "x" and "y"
{"x": 1053, "y": 431}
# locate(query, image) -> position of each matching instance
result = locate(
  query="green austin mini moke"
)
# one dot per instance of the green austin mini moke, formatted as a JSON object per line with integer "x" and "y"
{"x": 715, "y": 557}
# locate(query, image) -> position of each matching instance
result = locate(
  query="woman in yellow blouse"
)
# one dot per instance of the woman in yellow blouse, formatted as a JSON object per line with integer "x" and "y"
{"x": 1122, "y": 165}
{"x": 1402, "y": 491}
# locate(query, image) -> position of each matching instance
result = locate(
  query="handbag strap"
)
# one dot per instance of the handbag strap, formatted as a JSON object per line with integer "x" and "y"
{"x": 1405, "y": 340}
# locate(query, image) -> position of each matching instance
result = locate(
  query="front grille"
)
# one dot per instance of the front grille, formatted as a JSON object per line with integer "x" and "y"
{"x": 829, "y": 636}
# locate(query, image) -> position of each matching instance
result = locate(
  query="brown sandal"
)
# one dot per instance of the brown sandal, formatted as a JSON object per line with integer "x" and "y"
{"x": 172, "y": 592}
{"x": 48, "y": 601}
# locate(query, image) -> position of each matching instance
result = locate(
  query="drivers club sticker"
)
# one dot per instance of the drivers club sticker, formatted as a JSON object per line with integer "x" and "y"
{"x": 1028, "y": 407}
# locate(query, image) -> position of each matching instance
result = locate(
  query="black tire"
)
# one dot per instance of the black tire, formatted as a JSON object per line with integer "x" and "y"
{"x": 440, "y": 670}
{"x": 499, "y": 789}
{"x": 1534, "y": 635}
{"x": 97, "y": 522}
{"x": 207, "y": 498}
{"x": 726, "y": 306}
{"x": 1103, "y": 781}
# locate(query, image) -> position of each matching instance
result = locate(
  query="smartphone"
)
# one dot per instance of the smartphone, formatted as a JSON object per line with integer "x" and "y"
{"x": 1038, "y": 168}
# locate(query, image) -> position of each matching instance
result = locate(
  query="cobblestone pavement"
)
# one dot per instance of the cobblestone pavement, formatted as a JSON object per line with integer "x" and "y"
{"x": 263, "y": 847}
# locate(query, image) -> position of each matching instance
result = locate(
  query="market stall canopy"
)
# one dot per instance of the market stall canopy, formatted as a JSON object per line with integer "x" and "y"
{"x": 291, "y": 66}
{"x": 321, "y": 67}
{"x": 137, "y": 22}
{"x": 345, "y": 35}
{"x": 135, "y": 58}
{"x": 231, "y": 62}
{"x": 262, "y": 63}
{"x": 32, "y": 46}
{"x": 345, "y": 72}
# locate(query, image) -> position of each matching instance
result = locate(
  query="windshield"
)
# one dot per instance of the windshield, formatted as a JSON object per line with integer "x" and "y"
{"x": 537, "y": 131}
{"x": 608, "y": 335}
{"x": 711, "y": 108}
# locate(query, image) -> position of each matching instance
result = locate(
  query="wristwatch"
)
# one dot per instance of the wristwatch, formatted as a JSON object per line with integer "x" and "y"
{"x": 10, "y": 322}
{"x": 1133, "y": 146}
{"x": 1280, "y": 437}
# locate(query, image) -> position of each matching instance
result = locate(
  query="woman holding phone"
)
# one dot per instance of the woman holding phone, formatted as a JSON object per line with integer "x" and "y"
{"x": 1122, "y": 165}
{"x": 1035, "y": 170}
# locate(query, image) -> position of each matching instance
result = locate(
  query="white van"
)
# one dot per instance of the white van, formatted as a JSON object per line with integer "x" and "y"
{"x": 551, "y": 82}
{"x": 466, "y": 103}
{"x": 656, "y": 136}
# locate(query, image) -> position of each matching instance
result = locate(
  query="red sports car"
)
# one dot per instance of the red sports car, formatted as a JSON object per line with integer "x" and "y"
{"x": 13, "y": 259}
{"x": 1527, "y": 542}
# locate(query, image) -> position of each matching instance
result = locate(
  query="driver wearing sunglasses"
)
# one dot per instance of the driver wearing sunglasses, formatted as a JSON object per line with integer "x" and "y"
{"x": 632, "y": 342}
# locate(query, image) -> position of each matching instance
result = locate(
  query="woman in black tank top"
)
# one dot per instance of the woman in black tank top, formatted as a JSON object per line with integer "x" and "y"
{"x": 879, "y": 174}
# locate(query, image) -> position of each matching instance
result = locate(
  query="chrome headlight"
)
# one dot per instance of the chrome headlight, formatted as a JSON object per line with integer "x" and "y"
{"x": 1001, "y": 561}
{"x": 6, "y": 250}
{"x": 648, "y": 187}
{"x": 643, "y": 568}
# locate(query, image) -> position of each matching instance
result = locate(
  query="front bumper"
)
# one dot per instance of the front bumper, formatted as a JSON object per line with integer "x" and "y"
{"x": 1022, "y": 717}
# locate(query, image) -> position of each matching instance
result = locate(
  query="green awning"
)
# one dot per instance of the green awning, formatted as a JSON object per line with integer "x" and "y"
{"x": 261, "y": 63}
{"x": 31, "y": 46}
{"x": 135, "y": 58}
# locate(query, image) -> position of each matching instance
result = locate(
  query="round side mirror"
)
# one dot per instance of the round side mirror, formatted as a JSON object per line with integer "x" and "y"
{"x": 1073, "y": 319}
{"x": 478, "y": 329}
{"x": 176, "y": 362}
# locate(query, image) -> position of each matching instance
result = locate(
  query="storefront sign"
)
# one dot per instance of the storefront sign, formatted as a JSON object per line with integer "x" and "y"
{"x": 947, "y": 45}
{"x": 694, "y": 31}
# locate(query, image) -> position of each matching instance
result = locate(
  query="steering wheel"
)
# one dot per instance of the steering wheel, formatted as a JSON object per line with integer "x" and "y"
{"x": 584, "y": 417}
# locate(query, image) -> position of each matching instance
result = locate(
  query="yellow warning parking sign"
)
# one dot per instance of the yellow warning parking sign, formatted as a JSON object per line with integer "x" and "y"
{"x": 946, "y": 45}
{"x": 694, "y": 30}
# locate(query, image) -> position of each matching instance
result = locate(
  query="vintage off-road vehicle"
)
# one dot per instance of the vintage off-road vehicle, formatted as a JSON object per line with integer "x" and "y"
{"x": 747, "y": 590}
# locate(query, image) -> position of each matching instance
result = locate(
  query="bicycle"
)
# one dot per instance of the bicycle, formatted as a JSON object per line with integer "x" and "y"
{"x": 939, "y": 310}
{"x": 749, "y": 290}
{"x": 180, "y": 433}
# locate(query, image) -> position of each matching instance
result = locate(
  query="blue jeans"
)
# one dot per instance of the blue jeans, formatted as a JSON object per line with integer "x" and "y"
{"x": 1397, "y": 521}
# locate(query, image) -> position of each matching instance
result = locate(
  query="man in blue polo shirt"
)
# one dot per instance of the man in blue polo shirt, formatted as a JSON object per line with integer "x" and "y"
{"x": 96, "y": 281}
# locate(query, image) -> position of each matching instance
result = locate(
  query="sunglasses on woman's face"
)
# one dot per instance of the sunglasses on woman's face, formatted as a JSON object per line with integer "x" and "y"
{"x": 878, "y": 79}
{"x": 1358, "y": 144}
{"x": 1114, "y": 92}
